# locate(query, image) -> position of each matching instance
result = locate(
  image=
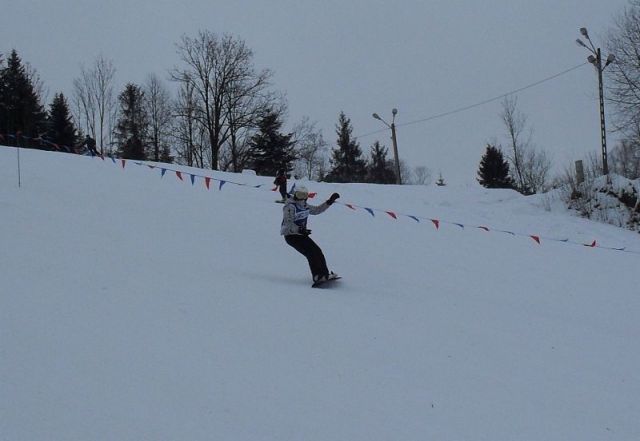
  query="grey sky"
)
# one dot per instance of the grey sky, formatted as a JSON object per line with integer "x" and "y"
{"x": 422, "y": 57}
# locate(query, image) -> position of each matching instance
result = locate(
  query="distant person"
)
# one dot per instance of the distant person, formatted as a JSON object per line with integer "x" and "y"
{"x": 90, "y": 143}
{"x": 281, "y": 183}
{"x": 294, "y": 229}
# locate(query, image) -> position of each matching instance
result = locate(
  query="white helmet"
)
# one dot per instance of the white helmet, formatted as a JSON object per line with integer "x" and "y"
{"x": 301, "y": 193}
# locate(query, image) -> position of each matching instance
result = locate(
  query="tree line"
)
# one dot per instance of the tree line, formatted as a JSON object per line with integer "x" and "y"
{"x": 223, "y": 114}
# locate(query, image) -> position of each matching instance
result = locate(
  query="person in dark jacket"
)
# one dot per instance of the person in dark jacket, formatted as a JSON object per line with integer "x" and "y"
{"x": 90, "y": 143}
{"x": 281, "y": 183}
{"x": 296, "y": 234}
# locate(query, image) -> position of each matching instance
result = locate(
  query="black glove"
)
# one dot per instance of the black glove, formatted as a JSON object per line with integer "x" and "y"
{"x": 333, "y": 198}
{"x": 304, "y": 231}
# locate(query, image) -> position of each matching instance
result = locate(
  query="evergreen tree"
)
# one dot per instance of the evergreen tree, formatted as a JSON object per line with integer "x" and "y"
{"x": 347, "y": 164}
{"x": 494, "y": 169}
{"x": 271, "y": 150}
{"x": 132, "y": 127}
{"x": 20, "y": 107}
{"x": 380, "y": 170}
{"x": 61, "y": 129}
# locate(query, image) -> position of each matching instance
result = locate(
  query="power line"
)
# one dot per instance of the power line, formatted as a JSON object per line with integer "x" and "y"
{"x": 481, "y": 103}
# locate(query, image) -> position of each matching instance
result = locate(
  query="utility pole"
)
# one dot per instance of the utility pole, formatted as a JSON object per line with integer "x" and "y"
{"x": 392, "y": 126}
{"x": 596, "y": 60}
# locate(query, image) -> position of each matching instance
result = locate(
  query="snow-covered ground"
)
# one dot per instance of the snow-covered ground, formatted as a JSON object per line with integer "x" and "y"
{"x": 141, "y": 307}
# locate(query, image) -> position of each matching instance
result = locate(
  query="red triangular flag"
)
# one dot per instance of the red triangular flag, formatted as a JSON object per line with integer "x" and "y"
{"x": 179, "y": 175}
{"x": 590, "y": 245}
{"x": 207, "y": 180}
{"x": 436, "y": 222}
{"x": 392, "y": 214}
{"x": 350, "y": 206}
{"x": 536, "y": 238}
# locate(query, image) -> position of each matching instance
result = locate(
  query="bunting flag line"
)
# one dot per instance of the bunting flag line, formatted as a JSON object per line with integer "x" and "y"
{"x": 391, "y": 213}
{"x": 394, "y": 215}
{"x": 437, "y": 222}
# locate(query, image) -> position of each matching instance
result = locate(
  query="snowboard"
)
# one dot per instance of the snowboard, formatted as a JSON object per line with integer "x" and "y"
{"x": 325, "y": 283}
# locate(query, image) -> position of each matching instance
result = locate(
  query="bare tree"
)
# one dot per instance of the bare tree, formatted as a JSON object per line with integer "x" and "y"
{"x": 519, "y": 141}
{"x": 38, "y": 85}
{"x": 84, "y": 106}
{"x": 246, "y": 99}
{"x": 421, "y": 175}
{"x": 623, "y": 82}
{"x": 220, "y": 72}
{"x": 536, "y": 168}
{"x": 158, "y": 103}
{"x": 186, "y": 125}
{"x": 311, "y": 150}
{"x": 530, "y": 166}
{"x": 625, "y": 159}
{"x": 94, "y": 99}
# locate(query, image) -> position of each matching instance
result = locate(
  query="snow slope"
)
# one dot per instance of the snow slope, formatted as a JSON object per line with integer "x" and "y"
{"x": 135, "y": 307}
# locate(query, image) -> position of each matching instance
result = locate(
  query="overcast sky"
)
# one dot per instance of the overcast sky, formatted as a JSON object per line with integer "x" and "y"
{"x": 424, "y": 58}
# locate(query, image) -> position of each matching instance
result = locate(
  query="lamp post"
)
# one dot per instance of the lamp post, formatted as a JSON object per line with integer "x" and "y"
{"x": 392, "y": 126}
{"x": 596, "y": 60}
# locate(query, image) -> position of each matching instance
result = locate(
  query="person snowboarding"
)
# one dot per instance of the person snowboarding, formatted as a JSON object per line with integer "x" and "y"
{"x": 294, "y": 229}
{"x": 281, "y": 183}
{"x": 90, "y": 143}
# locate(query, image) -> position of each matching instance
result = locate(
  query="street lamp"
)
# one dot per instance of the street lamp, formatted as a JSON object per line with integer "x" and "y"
{"x": 596, "y": 60}
{"x": 394, "y": 112}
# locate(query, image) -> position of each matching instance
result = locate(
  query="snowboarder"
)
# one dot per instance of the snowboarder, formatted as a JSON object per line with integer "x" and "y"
{"x": 281, "y": 183}
{"x": 294, "y": 229}
{"x": 90, "y": 143}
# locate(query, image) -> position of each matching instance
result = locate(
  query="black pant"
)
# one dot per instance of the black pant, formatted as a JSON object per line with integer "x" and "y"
{"x": 307, "y": 247}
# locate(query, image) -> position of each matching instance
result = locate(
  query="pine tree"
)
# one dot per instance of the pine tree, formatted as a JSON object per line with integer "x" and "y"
{"x": 269, "y": 149}
{"x": 380, "y": 170}
{"x": 20, "y": 107}
{"x": 60, "y": 127}
{"x": 133, "y": 124}
{"x": 494, "y": 169}
{"x": 346, "y": 161}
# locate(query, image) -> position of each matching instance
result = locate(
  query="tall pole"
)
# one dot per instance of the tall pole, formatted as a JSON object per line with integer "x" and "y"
{"x": 394, "y": 112}
{"x": 18, "y": 150}
{"x": 19, "y": 180}
{"x": 603, "y": 131}
{"x": 596, "y": 60}
{"x": 395, "y": 153}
